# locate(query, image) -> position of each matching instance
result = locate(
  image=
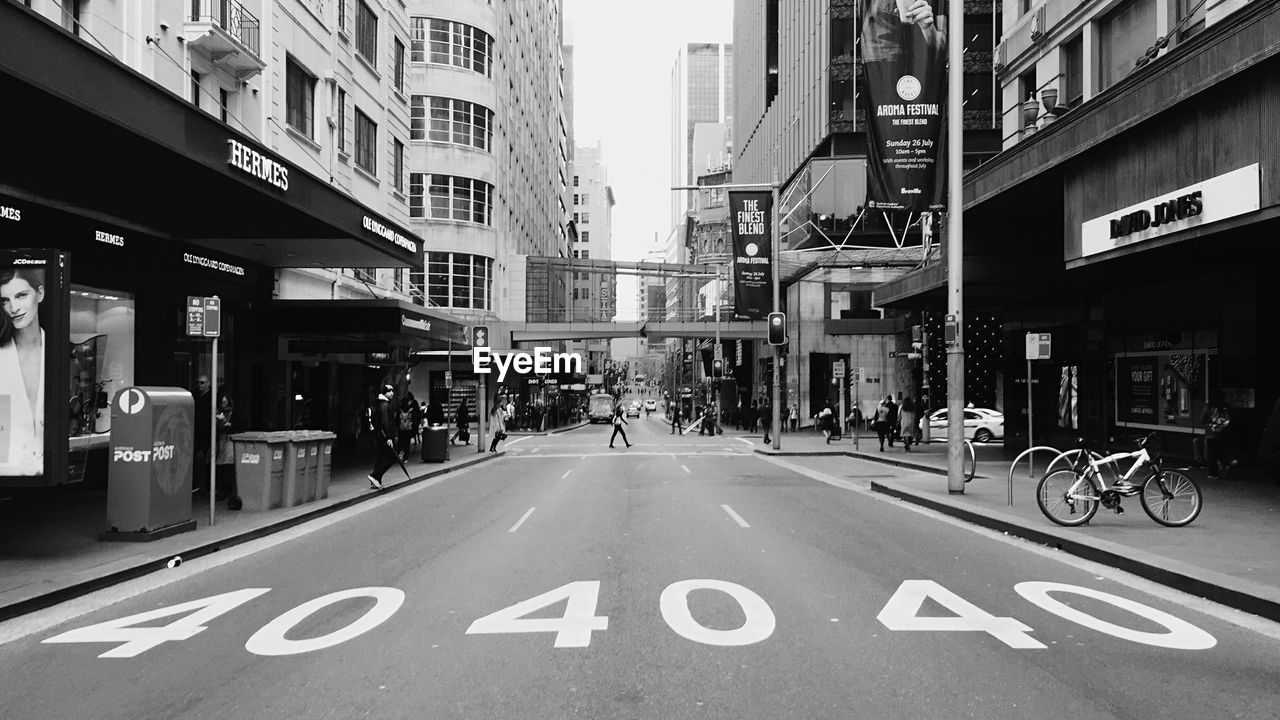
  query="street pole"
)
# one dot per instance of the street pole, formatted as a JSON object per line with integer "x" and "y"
{"x": 777, "y": 307}
{"x": 927, "y": 405}
{"x": 1030, "y": 443}
{"x": 717, "y": 352}
{"x": 482, "y": 385}
{"x": 213, "y": 429}
{"x": 955, "y": 245}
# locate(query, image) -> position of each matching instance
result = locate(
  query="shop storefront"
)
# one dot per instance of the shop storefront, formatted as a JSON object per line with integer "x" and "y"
{"x": 127, "y": 200}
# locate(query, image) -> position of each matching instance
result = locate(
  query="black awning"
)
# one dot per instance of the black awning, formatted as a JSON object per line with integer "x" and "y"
{"x": 346, "y": 321}
{"x": 96, "y": 136}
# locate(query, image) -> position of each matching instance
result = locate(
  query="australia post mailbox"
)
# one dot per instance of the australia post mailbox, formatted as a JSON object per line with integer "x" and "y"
{"x": 149, "y": 472}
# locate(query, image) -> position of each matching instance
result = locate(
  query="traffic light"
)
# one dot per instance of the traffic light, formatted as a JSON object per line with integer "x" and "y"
{"x": 480, "y": 336}
{"x": 688, "y": 358}
{"x": 717, "y": 368}
{"x": 777, "y": 328}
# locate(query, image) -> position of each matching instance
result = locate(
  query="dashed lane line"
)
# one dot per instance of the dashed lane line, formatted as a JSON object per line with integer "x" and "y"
{"x": 685, "y": 468}
{"x": 521, "y": 520}
{"x": 566, "y": 474}
{"x": 736, "y": 517}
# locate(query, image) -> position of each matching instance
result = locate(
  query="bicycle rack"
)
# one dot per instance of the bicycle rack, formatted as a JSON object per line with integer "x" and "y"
{"x": 1031, "y": 465}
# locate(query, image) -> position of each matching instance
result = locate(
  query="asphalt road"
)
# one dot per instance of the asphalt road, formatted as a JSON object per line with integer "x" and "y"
{"x": 681, "y": 578}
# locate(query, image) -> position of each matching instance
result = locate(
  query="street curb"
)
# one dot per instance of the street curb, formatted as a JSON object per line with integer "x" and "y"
{"x": 1222, "y": 589}
{"x": 61, "y": 595}
{"x": 858, "y": 455}
{"x": 557, "y": 431}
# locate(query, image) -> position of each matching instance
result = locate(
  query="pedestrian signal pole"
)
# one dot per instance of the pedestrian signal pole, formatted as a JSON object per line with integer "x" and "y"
{"x": 955, "y": 247}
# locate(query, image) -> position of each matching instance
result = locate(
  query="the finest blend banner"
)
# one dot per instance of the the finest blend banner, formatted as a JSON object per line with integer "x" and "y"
{"x": 904, "y": 48}
{"x": 751, "y": 215}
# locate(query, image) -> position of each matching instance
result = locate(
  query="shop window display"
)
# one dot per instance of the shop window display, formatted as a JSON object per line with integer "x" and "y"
{"x": 102, "y": 359}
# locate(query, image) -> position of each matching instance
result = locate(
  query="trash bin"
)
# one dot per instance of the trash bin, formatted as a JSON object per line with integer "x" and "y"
{"x": 313, "y": 467}
{"x": 435, "y": 444}
{"x": 259, "y": 469}
{"x": 295, "y": 468}
{"x": 325, "y": 470}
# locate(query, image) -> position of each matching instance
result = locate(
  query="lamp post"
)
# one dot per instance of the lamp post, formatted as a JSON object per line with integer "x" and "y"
{"x": 955, "y": 247}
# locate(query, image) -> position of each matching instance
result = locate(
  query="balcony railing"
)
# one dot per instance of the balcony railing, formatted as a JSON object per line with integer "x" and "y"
{"x": 232, "y": 17}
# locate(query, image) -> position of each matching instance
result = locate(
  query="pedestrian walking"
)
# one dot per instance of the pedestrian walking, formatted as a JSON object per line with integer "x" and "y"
{"x": 498, "y": 423}
{"x": 826, "y": 420}
{"x": 880, "y": 422}
{"x": 407, "y": 422}
{"x": 676, "y": 425}
{"x": 225, "y": 456}
{"x": 892, "y": 419}
{"x": 766, "y": 420}
{"x": 795, "y": 417}
{"x": 462, "y": 419}
{"x": 383, "y": 424}
{"x": 907, "y": 423}
{"x": 618, "y": 421}
{"x": 783, "y": 417}
{"x": 854, "y": 421}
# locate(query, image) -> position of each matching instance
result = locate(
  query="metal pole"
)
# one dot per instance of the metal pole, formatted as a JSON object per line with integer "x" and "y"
{"x": 1030, "y": 442}
{"x": 777, "y": 307}
{"x": 482, "y": 384}
{"x": 927, "y": 405}
{"x": 213, "y": 429}
{"x": 715, "y": 382}
{"x": 955, "y": 245}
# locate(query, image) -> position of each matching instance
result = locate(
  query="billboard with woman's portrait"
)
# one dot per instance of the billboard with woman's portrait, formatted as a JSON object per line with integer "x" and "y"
{"x": 33, "y": 327}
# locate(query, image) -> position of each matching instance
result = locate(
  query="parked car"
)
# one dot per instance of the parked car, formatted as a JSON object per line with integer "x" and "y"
{"x": 980, "y": 424}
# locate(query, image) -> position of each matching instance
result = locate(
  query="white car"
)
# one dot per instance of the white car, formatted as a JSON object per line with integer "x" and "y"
{"x": 633, "y": 410}
{"x": 651, "y": 404}
{"x": 980, "y": 424}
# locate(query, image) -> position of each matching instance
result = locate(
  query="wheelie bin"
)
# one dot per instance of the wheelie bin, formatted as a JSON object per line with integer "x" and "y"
{"x": 260, "y": 460}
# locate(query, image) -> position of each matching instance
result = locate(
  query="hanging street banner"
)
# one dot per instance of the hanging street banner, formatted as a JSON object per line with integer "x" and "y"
{"x": 751, "y": 216}
{"x": 904, "y": 49}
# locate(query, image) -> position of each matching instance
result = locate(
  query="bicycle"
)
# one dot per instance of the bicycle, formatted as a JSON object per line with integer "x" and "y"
{"x": 1071, "y": 496}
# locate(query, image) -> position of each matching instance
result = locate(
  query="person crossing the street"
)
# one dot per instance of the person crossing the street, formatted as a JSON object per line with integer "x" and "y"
{"x": 618, "y": 421}
{"x": 677, "y": 427}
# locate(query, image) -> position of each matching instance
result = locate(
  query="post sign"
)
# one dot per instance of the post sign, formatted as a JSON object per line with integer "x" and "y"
{"x": 1039, "y": 346}
{"x": 837, "y": 369}
{"x": 204, "y": 316}
{"x": 719, "y": 352}
{"x": 448, "y": 378}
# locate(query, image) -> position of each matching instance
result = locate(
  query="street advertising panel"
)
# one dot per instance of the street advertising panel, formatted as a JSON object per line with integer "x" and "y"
{"x": 904, "y": 48}
{"x": 34, "y": 337}
{"x": 751, "y": 219}
{"x": 1137, "y": 389}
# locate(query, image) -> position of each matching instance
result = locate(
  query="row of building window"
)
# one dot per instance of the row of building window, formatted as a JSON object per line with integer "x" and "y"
{"x": 459, "y": 280}
{"x": 450, "y": 197}
{"x": 449, "y": 120}
{"x": 445, "y": 42}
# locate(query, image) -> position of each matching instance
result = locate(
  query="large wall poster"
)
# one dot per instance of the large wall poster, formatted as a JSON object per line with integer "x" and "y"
{"x": 33, "y": 326}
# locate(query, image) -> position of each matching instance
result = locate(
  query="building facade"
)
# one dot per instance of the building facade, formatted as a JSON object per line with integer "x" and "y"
{"x": 1149, "y": 188}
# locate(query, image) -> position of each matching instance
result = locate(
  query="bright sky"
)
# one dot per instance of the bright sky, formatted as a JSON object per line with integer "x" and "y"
{"x": 623, "y": 56}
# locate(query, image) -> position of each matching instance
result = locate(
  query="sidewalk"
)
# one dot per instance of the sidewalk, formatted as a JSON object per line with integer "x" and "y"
{"x": 554, "y": 431}
{"x": 50, "y": 551}
{"x": 1230, "y": 554}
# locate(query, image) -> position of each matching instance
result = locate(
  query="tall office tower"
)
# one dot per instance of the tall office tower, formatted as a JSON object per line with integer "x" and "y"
{"x": 486, "y": 90}
{"x": 701, "y": 92}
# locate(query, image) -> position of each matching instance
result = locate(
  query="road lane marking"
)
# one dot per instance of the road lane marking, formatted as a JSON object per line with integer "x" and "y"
{"x": 528, "y": 457}
{"x": 520, "y": 439}
{"x": 736, "y": 517}
{"x": 686, "y": 469}
{"x": 566, "y": 474}
{"x": 521, "y": 520}
{"x": 537, "y": 449}
{"x": 1239, "y": 618}
{"x": 746, "y": 442}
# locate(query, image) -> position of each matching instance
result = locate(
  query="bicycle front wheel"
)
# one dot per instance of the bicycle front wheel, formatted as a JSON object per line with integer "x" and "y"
{"x": 1171, "y": 498}
{"x": 1067, "y": 498}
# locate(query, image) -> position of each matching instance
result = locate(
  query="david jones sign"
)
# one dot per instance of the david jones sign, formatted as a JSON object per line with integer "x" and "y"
{"x": 1218, "y": 198}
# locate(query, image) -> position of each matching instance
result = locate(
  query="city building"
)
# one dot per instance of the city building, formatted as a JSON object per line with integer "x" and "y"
{"x": 486, "y": 86}
{"x": 701, "y": 92}
{"x": 1142, "y": 164}
{"x": 798, "y": 119}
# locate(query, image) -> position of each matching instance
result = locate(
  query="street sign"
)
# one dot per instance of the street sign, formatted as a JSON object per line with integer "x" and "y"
{"x": 195, "y": 316}
{"x": 719, "y": 352}
{"x": 204, "y": 316}
{"x": 858, "y": 372}
{"x": 1039, "y": 346}
{"x": 480, "y": 336}
{"x": 837, "y": 369}
{"x": 212, "y": 317}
